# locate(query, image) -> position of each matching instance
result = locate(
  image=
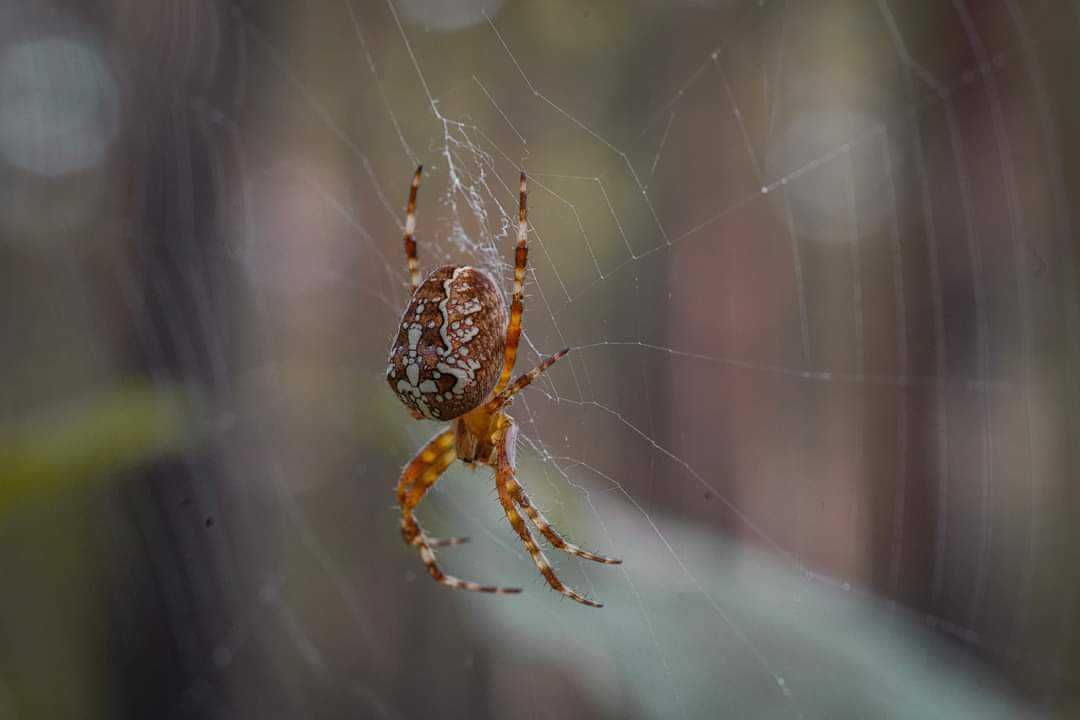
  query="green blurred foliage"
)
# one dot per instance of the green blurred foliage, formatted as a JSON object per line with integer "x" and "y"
{"x": 89, "y": 441}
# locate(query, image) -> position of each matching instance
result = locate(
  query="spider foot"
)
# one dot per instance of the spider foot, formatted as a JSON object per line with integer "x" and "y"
{"x": 455, "y": 582}
{"x": 424, "y": 544}
{"x": 428, "y": 556}
{"x": 446, "y": 542}
{"x": 548, "y": 572}
{"x": 586, "y": 555}
{"x": 579, "y": 598}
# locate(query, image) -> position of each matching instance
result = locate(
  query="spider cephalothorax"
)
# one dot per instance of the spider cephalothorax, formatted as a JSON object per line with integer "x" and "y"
{"x": 451, "y": 360}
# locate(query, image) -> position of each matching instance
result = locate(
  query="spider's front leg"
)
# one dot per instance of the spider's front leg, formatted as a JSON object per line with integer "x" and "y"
{"x": 517, "y": 305}
{"x": 511, "y": 496}
{"x": 417, "y": 478}
{"x": 410, "y": 227}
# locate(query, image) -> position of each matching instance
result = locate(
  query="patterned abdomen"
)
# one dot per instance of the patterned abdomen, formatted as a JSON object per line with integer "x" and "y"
{"x": 449, "y": 348}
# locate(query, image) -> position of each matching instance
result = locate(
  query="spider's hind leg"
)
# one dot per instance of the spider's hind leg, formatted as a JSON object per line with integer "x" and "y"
{"x": 417, "y": 478}
{"x": 557, "y": 541}
{"x": 506, "y": 436}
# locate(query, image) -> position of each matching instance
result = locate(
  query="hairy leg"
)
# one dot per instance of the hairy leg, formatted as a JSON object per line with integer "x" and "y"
{"x": 410, "y": 227}
{"x": 517, "y": 306}
{"x": 557, "y": 541}
{"x": 523, "y": 382}
{"x": 417, "y": 478}
{"x": 504, "y": 479}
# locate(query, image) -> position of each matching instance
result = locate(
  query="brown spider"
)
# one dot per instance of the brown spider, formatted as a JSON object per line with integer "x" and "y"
{"x": 452, "y": 360}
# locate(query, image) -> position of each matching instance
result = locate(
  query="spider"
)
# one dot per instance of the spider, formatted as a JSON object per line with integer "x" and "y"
{"x": 451, "y": 361}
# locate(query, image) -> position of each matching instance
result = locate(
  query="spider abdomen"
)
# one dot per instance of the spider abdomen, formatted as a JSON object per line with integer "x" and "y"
{"x": 449, "y": 347}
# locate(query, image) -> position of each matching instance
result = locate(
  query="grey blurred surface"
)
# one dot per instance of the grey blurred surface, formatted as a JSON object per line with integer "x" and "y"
{"x": 815, "y": 262}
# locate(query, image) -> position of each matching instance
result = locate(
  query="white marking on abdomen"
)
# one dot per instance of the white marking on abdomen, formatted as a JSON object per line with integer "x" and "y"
{"x": 443, "y": 310}
{"x": 462, "y": 377}
{"x": 415, "y": 331}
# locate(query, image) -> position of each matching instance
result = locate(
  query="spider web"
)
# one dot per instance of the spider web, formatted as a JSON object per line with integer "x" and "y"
{"x": 814, "y": 269}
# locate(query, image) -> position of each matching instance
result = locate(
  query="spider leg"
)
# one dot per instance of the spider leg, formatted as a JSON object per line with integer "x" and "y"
{"x": 410, "y": 227}
{"x": 517, "y": 307}
{"x": 542, "y": 524}
{"x": 417, "y": 478}
{"x": 445, "y": 542}
{"x": 523, "y": 381}
{"x": 506, "y": 436}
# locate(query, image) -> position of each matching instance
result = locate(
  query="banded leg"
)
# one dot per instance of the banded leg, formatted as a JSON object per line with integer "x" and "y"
{"x": 517, "y": 307}
{"x": 417, "y": 478}
{"x": 523, "y": 382}
{"x": 504, "y": 480}
{"x": 557, "y": 541}
{"x": 410, "y": 227}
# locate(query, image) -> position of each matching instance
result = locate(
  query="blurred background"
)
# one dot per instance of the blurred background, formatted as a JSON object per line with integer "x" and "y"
{"x": 816, "y": 264}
